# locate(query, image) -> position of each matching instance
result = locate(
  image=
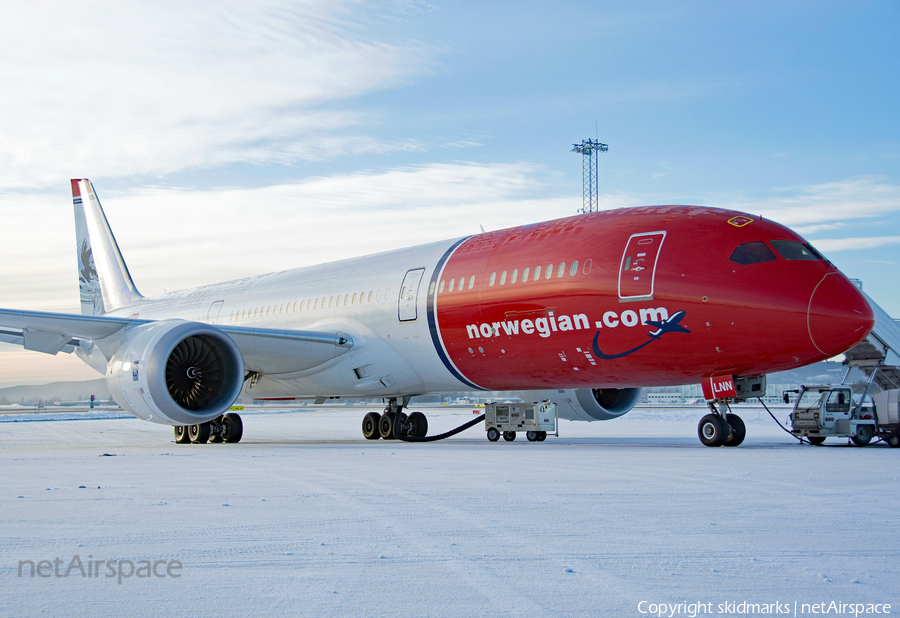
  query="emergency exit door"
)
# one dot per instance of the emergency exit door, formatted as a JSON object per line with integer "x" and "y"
{"x": 637, "y": 271}
{"x": 409, "y": 294}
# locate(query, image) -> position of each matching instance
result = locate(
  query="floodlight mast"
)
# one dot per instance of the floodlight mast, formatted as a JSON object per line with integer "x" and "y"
{"x": 590, "y": 164}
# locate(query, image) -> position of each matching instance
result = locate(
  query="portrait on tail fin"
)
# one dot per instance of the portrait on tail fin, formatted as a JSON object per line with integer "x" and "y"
{"x": 89, "y": 281}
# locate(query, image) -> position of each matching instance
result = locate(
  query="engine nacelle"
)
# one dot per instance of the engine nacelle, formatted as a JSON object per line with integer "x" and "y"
{"x": 176, "y": 373}
{"x": 588, "y": 404}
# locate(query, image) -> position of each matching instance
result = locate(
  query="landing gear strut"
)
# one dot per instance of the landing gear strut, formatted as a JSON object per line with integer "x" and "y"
{"x": 226, "y": 428}
{"x": 721, "y": 429}
{"x": 394, "y": 422}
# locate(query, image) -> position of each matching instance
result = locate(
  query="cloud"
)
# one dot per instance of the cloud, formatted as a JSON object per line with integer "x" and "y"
{"x": 125, "y": 89}
{"x": 812, "y": 229}
{"x": 832, "y": 202}
{"x": 831, "y": 245}
{"x": 174, "y": 238}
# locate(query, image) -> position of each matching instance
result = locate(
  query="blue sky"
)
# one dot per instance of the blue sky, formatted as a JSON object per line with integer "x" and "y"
{"x": 226, "y": 139}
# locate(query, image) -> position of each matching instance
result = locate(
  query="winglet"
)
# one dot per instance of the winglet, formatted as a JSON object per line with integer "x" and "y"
{"x": 103, "y": 278}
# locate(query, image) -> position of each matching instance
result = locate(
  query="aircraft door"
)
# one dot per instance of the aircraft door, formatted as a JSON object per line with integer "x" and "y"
{"x": 637, "y": 272}
{"x": 409, "y": 294}
{"x": 212, "y": 316}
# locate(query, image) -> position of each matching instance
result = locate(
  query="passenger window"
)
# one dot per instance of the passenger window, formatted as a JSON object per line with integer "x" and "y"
{"x": 353, "y": 300}
{"x": 317, "y": 304}
{"x": 515, "y": 274}
{"x": 452, "y": 283}
{"x": 462, "y": 282}
{"x": 492, "y": 280}
{"x": 430, "y": 289}
{"x": 754, "y": 252}
{"x": 369, "y": 299}
{"x": 331, "y": 301}
{"x": 471, "y": 282}
{"x": 537, "y": 273}
{"x": 792, "y": 250}
{"x": 378, "y": 295}
{"x": 503, "y": 278}
{"x": 525, "y": 276}
{"x": 441, "y": 287}
{"x": 561, "y": 270}
{"x": 587, "y": 267}
{"x": 573, "y": 270}
{"x": 549, "y": 271}
{"x": 346, "y": 299}
{"x": 301, "y": 305}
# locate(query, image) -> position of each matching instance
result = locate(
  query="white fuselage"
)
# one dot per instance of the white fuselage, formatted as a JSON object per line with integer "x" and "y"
{"x": 359, "y": 296}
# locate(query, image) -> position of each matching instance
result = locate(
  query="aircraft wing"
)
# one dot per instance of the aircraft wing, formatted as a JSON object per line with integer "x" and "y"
{"x": 269, "y": 351}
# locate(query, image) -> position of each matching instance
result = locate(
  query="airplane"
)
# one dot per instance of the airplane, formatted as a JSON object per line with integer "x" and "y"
{"x": 557, "y": 311}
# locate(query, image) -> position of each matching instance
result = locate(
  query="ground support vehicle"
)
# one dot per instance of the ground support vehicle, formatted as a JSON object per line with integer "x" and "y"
{"x": 535, "y": 419}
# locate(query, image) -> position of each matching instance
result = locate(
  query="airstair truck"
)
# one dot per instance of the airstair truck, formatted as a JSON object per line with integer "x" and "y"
{"x": 823, "y": 411}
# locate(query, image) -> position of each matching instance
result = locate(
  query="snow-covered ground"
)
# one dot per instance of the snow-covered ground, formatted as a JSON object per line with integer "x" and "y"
{"x": 306, "y": 518}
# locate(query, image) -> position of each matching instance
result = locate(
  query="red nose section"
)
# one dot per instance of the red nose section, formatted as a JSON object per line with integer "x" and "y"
{"x": 839, "y": 316}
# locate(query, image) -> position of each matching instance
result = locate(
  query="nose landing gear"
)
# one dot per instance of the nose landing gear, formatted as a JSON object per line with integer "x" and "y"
{"x": 721, "y": 429}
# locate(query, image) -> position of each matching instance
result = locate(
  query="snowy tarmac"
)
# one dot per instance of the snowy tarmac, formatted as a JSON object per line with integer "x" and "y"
{"x": 306, "y": 518}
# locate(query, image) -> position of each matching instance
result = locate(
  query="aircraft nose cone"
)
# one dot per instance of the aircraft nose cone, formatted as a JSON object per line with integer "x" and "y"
{"x": 839, "y": 316}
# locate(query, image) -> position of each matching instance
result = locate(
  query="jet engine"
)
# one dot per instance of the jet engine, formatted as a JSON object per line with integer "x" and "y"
{"x": 176, "y": 373}
{"x": 588, "y": 404}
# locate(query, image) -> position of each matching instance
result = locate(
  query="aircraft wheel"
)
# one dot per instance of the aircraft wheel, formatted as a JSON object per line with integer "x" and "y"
{"x": 215, "y": 431}
{"x": 418, "y": 425}
{"x": 493, "y": 434}
{"x": 893, "y": 440}
{"x": 233, "y": 429}
{"x": 509, "y": 436}
{"x": 199, "y": 433}
{"x": 386, "y": 425}
{"x": 817, "y": 440}
{"x": 370, "y": 426}
{"x": 864, "y": 435}
{"x": 181, "y": 435}
{"x": 738, "y": 430}
{"x": 531, "y": 436}
{"x": 713, "y": 430}
{"x": 542, "y": 435}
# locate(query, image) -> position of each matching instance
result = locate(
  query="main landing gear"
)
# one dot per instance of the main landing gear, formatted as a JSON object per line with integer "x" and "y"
{"x": 721, "y": 429}
{"x": 375, "y": 425}
{"x": 225, "y": 428}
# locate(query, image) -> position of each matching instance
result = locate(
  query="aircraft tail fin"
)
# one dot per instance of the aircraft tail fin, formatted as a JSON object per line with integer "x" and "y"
{"x": 103, "y": 278}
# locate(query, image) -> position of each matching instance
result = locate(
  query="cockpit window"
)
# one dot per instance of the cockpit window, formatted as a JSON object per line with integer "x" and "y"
{"x": 752, "y": 253}
{"x": 792, "y": 250}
